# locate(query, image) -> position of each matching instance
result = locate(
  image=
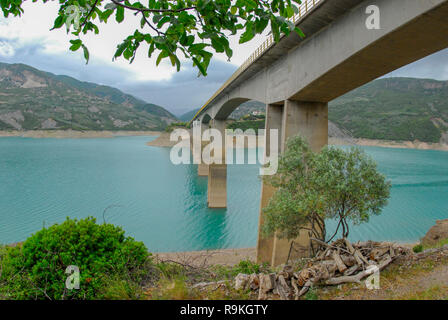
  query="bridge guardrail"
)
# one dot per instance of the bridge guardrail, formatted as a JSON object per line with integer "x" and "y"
{"x": 304, "y": 9}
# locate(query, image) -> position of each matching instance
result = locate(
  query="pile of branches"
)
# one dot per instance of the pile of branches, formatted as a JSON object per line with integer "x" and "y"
{"x": 336, "y": 263}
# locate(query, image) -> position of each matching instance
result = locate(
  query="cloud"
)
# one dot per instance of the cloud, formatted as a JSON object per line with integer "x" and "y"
{"x": 180, "y": 93}
{"x": 6, "y": 49}
{"x": 185, "y": 91}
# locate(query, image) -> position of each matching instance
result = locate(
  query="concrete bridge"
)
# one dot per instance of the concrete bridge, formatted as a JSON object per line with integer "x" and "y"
{"x": 296, "y": 78}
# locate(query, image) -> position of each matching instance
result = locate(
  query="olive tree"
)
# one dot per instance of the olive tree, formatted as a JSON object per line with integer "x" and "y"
{"x": 192, "y": 29}
{"x": 314, "y": 186}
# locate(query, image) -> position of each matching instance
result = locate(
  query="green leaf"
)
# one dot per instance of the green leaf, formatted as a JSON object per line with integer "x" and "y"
{"x": 86, "y": 53}
{"x": 76, "y": 44}
{"x": 217, "y": 45}
{"x": 261, "y": 25}
{"x": 120, "y": 48}
{"x": 299, "y": 32}
{"x": 119, "y": 17}
{"x": 248, "y": 34}
{"x": 162, "y": 55}
{"x": 59, "y": 22}
{"x": 201, "y": 68}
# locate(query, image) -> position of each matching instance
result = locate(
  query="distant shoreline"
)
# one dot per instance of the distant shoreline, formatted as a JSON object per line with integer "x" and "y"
{"x": 388, "y": 144}
{"x": 163, "y": 140}
{"x": 73, "y": 134}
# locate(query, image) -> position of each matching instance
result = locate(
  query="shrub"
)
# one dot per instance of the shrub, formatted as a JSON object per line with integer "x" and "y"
{"x": 418, "y": 248}
{"x": 36, "y": 269}
{"x": 247, "y": 267}
{"x": 176, "y": 125}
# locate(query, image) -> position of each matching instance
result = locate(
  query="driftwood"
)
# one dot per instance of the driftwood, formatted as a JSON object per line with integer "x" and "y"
{"x": 341, "y": 266}
{"x": 336, "y": 263}
{"x": 347, "y": 263}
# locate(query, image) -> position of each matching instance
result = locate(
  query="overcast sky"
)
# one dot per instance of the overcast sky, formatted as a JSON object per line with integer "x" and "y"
{"x": 28, "y": 40}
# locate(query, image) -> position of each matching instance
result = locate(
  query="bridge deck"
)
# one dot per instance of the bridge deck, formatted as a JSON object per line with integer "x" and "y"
{"x": 313, "y": 16}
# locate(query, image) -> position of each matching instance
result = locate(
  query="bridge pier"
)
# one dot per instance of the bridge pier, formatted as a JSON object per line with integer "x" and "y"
{"x": 203, "y": 167}
{"x": 310, "y": 120}
{"x": 217, "y": 173}
{"x": 197, "y": 146}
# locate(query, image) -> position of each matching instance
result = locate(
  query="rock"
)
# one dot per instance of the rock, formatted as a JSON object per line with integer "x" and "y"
{"x": 203, "y": 285}
{"x": 49, "y": 124}
{"x": 254, "y": 282}
{"x": 436, "y": 233}
{"x": 241, "y": 281}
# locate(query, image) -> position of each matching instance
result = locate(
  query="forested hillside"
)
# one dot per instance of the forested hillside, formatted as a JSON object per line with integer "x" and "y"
{"x": 395, "y": 109}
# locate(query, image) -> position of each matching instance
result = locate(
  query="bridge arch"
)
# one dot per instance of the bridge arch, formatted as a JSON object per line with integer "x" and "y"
{"x": 206, "y": 118}
{"x": 228, "y": 107}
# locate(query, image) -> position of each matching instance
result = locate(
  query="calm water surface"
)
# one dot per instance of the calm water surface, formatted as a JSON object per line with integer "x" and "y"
{"x": 42, "y": 181}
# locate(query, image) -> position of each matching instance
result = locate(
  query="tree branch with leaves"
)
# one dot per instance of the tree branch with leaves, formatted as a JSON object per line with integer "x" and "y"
{"x": 188, "y": 29}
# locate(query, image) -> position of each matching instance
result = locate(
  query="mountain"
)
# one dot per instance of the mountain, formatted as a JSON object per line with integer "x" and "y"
{"x": 188, "y": 116}
{"x": 31, "y": 99}
{"x": 399, "y": 109}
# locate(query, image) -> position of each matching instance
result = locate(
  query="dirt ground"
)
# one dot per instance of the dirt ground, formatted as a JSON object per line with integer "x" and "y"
{"x": 227, "y": 257}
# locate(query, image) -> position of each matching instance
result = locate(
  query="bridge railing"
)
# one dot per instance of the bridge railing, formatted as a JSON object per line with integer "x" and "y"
{"x": 304, "y": 9}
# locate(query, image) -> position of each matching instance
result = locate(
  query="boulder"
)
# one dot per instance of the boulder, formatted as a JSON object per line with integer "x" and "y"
{"x": 436, "y": 233}
{"x": 241, "y": 281}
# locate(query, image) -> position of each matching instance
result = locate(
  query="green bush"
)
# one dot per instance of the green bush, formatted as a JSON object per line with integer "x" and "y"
{"x": 36, "y": 269}
{"x": 247, "y": 267}
{"x": 418, "y": 248}
{"x": 247, "y": 124}
{"x": 176, "y": 125}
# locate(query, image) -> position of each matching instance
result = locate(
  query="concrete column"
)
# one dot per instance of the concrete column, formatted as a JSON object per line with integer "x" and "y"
{"x": 274, "y": 116}
{"x": 310, "y": 120}
{"x": 203, "y": 167}
{"x": 217, "y": 174}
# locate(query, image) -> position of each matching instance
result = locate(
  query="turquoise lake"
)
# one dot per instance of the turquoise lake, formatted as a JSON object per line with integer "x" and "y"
{"x": 42, "y": 181}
